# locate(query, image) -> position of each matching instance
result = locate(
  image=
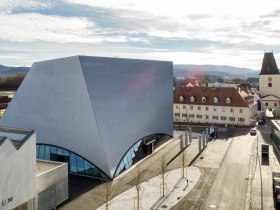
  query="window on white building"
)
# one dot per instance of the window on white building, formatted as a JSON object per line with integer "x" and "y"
{"x": 177, "y": 107}
{"x": 223, "y": 109}
{"x": 191, "y": 107}
{"x": 184, "y": 107}
{"x": 275, "y": 104}
{"x": 223, "y": 118}
{"x": 206, "y": 108}
{"x": 198, "y": 108}
{"x": 199, "y": 116}
{"x": 241, "y": 111}
{"x": 215, "y": 109}
{"x": 240, "y": 119}
{"x": 269, "y": 84}
{"x": 266, "y": 104}
{"x": 269, "y": 79}
{"x": 184, "y": 115}
{"x": 231, "y": 109}
{"x": 191, "y": 115}
{"x": 215, "y": 117}
{"x": 192, "y": 98}
{"x": 231, "y": 118}
{"x": 216, "y": 100}
{"x": 206, "y": 117}
{"x": 181, "y": 98}
{"x": 228, "y": 100}
{"x": 203, "y": 99}
{"x": 177, "y": 114}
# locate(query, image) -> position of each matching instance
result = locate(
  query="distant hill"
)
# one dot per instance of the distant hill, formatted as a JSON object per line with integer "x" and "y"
{"x": 229, "y": 72}
{"x": 179, "y": 71}
{"x": 7, "y": 70}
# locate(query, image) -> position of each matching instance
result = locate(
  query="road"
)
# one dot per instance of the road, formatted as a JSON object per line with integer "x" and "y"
{"x": 230, "y": 187}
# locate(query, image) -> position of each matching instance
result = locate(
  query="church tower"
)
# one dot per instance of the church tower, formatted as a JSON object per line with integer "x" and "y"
{"x": 269, "y": 84}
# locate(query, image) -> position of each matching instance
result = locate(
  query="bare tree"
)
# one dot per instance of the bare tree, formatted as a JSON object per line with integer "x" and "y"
{"x": 163, "y": 170}
{"x": 139, "y": 189}
{"x": 183, "y": 159}
{"x": 108, "y": 191}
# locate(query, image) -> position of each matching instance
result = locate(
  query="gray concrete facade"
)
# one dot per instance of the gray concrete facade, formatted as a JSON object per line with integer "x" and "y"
{"x": 51, "y": 184}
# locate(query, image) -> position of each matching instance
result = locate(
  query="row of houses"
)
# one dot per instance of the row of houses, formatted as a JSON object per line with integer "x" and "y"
{"x": 223, "y": 105}
{"x": 195, "y": 102}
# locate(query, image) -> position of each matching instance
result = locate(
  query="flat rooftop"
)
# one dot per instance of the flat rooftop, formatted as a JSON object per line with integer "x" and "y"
{"x": 276, "y": 123}
{"x": 16, "y": 135}
{"x": 43, "y": 166}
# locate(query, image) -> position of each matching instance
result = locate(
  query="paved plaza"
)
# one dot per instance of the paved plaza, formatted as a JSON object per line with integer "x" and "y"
{"x": 227, "y": 174}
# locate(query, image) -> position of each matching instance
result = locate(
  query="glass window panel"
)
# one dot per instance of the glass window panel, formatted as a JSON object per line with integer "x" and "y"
{"x": 59, "y": 151}
{"x": 128, "y": 155}
{"x": 125, "y": 160}
{"x": 95, "y": 172}
{"x": 47, "y": 153}
{"x": 65, "y": 152}
{"x": 53, "y": 149}
{"x": 73, "y": 163}
{"x": 80, "y": 165}
{"x": 132, "y": 153}
{"x": 88, "y": 167}
{"x": 42, "y": 152}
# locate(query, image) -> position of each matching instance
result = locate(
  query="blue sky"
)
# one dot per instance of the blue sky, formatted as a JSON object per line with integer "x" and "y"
{"x": 215, "y": 32}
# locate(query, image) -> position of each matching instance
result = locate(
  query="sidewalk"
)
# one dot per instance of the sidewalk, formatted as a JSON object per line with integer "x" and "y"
{"x": 177, "y": 188}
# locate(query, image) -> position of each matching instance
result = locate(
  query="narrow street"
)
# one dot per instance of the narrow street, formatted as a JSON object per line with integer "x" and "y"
{"x": 230, "y": 187}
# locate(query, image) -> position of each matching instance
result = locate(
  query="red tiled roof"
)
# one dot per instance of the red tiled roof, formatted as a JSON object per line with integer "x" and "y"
{"x": 239, "y": 98}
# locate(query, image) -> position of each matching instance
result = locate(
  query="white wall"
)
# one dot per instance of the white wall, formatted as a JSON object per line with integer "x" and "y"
{"x": 17, "y": 173}
{"x": 263, "y": 85}
{"x": 247, "y": 114}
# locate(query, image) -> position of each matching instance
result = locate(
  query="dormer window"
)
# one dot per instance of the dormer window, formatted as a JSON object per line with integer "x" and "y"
{"x": 228, "y": 100}
{"x": 216, "y": 100}
{"x": 181, "y": 98}
{"x": 203, "y": 99}
{"x": 192, "y": 98}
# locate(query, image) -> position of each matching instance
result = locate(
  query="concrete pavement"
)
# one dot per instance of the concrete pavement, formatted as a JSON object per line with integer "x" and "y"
{"x": 177, "y": 188}
{"x": 149, "y": 166}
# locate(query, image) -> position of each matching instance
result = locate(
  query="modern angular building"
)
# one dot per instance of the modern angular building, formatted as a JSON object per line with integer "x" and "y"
{"x": 101, "y": 115}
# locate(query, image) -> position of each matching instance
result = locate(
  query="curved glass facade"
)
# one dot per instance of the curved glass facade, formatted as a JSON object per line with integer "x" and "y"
{"x": 140, "y": 150}
{"x": 76, "y": 164}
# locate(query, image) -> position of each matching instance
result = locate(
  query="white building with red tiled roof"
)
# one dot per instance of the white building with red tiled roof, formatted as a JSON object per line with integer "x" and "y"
{"x": 223, "y": 105}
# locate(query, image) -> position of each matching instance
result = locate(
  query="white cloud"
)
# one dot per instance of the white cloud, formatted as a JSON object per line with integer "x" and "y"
{"x": 32, "y": 27}
{"x": 180, "y": 7}
{"x": 9, "y": 5}
{"x": 215, "y": 20}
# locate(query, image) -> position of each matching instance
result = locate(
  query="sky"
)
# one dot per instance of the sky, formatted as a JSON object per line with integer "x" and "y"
{"x": 217, "y": 32}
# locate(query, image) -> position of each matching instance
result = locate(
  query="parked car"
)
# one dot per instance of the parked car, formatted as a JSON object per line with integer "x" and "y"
{"x": 253, "y": 131}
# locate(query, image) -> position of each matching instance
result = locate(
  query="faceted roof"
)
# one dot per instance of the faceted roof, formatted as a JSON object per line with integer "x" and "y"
{"x": 269, "y": 65}
{"x": 94, "y": 106}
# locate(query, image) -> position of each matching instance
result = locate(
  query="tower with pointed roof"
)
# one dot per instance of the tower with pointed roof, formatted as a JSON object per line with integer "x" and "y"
{"x": 269, "y": 83}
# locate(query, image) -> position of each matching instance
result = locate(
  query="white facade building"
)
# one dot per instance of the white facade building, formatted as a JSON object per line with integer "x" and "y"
{"x": 269, "y": 84}
{"x": 214, "y": 106}
{"x": 18, "y": 168}
{"x": 27, "y": 184}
